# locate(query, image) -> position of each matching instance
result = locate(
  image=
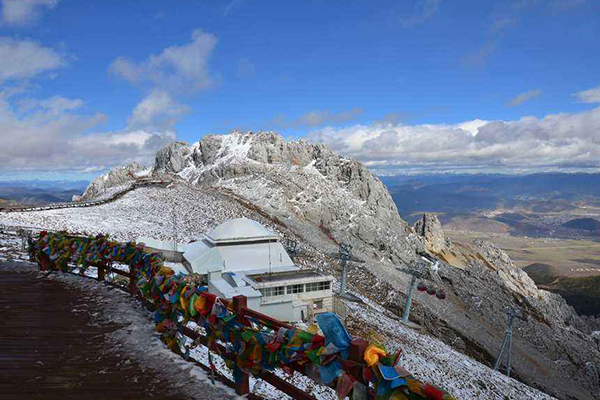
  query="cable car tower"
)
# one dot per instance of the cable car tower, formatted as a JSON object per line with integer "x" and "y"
{"x": 420, "y": 270}
{"x": 512, "y": 312}
{"x": 345, "y": 255}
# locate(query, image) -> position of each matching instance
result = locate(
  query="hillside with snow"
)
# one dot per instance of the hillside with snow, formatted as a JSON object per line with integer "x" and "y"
{"x": 144, "y": 212}
{"x": 310, "y": 194}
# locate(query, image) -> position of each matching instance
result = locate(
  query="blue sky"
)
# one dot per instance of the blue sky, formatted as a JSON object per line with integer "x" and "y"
{"x": 403, "y": 86}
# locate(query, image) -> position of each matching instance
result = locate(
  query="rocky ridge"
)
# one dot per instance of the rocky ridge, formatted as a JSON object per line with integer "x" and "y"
{"x": 302, "y": 184}
{"x": 327, "y": 199}
{"x": 112, "y": 180}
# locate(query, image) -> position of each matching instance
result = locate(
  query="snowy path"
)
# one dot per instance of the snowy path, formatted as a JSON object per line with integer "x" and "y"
{"x": 70, "y": 338}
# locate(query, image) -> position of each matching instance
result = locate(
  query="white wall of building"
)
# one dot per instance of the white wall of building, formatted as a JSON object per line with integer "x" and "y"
{"x": 316, "y": 292}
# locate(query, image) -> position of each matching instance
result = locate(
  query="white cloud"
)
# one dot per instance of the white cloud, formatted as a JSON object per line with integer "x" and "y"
{"x": 321, "y": 117}
{"x": 555, "y": 141}
{"x": 59, "y": 104}
{"x": 51, "y": 134}
{"x": 523, "y": 97}
{"x": 424, "y": 11}
{"x": 157, "y": 110}
{"x": 23, "y": 12}
{"x": 316, "y": 118}
{"x": 22, "y": 59}
{"x": 176, "y": 69}
{"x": 589, "y": 96}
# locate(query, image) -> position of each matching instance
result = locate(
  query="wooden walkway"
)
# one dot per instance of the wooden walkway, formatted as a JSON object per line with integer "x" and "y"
{"x": 49, "y": 352}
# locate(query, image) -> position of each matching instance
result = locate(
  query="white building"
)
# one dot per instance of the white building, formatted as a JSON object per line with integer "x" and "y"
{"x": 239, "y": 244}
{"x": 309, "y": 292}
{"x": 242, "y": 257}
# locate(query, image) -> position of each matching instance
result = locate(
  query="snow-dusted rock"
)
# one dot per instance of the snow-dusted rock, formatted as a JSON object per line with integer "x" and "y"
{"x": 117, "y": 176}
{"x": 173, "y": 158}
{"x": 301, "y": 184}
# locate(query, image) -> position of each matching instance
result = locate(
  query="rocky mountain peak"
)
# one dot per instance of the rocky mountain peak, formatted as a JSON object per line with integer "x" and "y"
{"x": 430, "y": 229}
{"x": 300, "y": 184}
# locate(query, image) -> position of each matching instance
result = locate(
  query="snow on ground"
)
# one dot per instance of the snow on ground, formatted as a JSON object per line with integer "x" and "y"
{"x": 11, "y": 248}
{"x": 177, "y": 213}
{"x": 155, "y": 212}
{"x": 138, "y": 339}
{"x": 433, "y": 361}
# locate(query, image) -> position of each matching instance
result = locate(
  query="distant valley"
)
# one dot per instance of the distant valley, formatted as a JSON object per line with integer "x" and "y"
{"x": 552, "y": 205}
{"x": 36, "y": 192}
{"x": 549, "y": 224}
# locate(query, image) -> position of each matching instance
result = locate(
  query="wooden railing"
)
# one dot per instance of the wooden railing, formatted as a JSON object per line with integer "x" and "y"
{"x": 240, "y": 307}
{"x": 354, "y": 365}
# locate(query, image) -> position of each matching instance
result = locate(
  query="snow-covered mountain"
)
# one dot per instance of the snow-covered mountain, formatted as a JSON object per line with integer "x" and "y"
{"x": 310, "y": 193}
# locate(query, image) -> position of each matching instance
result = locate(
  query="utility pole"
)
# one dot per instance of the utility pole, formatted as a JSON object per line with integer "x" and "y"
{"x": 513, "y": 312}
{"x": 345, "y": 255}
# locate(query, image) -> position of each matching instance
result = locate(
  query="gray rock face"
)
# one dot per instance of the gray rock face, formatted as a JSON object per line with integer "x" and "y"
{"x": 553, "y": 348}
{"x": 430, "y": 228}
{"x": 301, "y": 184}
{"x": 173, "y": 158}
{"x": 115, "y": 177}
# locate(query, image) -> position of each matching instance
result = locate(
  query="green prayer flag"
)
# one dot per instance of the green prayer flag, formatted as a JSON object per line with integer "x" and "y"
{"x": 247, "y": 335}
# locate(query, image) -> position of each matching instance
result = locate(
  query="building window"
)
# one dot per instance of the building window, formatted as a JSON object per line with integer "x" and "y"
{"x": 317, "y": 305}
{"x": 316, "y": 286}
{"x": 292, "y": 289}
{"x": 273, "y": 291}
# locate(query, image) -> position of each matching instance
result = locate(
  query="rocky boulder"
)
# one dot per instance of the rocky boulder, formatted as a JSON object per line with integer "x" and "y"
{"x": 430, "y": 229}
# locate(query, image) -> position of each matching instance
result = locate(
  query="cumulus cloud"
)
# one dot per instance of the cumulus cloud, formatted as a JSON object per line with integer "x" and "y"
{"x": 424, "y": 11}
{"x": 22, "y": 59}
{"x": 589, "y": 96}
{"x": 523, "y": 97}
{"x": 23, "y": 12}
{"x": 176, "y": 69}
{"x": 157, "y": 110}
{"x": 528, "y": 144}
{"x": 52, "y": 134}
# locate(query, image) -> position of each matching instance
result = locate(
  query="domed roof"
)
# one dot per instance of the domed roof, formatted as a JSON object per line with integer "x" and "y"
{"x": 240, "y": 230}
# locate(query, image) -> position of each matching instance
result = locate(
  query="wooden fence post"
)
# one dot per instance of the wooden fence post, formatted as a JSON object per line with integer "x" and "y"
{"x": 132, "y": 276}
{"x": 357, "y": 351}
{"x": 101, "y": 272}
{"x": 242, "y": 379}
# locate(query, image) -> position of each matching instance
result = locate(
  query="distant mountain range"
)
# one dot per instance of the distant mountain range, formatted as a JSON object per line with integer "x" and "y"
{"x": 464, "y": 194}
{"x": 39, "y": 192}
